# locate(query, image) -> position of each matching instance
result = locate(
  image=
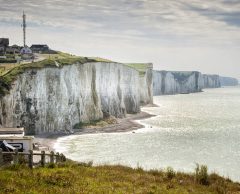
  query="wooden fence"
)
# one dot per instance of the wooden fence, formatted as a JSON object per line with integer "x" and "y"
{"x": 16, "y": 156}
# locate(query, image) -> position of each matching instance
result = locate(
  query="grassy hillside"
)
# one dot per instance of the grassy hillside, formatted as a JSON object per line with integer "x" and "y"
{"x": 83, "y": 178}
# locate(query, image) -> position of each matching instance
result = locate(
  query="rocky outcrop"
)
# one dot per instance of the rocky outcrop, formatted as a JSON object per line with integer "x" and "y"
{"x": 211, "y": 81}
{"x": 228, "y": 81}
{"x": 55, "y": 99}
{"x": 172, "y": 82}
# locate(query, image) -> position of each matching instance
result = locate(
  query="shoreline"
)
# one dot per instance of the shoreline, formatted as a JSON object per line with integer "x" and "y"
{"x": 126, "y": 124}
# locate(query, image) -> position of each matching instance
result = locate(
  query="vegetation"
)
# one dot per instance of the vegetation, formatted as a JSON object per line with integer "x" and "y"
{"x": 59, "y": 55}
{"x": 73, "y": 177}
{"x": 99, "y": 59}
{"x": 62, "y": 55}
{"x": 201, "y": 174}
{"x": 96, "y": 123}
{"x": 170, "y": 173}
{"x": 141, "y": 67}
{"x": 8, "y": 60}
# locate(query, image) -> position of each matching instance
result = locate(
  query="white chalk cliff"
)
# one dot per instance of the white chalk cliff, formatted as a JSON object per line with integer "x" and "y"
{"x": 146, "y": 87}
{"x": 211, "y": 81}
{"x": 170, "y": 82}
{"x": 55, "y": 99}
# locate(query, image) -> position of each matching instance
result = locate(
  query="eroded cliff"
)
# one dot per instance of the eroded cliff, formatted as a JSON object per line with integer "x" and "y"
{"x": 145, "y": 81}
{"x": 172, "y": 82}
{"x": 55, "y": 99}
{"x": 211, "y": 81}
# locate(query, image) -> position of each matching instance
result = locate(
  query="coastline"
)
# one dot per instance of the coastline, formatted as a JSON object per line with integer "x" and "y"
{"x": 123, "y": 125}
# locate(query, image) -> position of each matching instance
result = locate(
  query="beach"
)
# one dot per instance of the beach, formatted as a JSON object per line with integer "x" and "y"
{"x": 129, "y": 123}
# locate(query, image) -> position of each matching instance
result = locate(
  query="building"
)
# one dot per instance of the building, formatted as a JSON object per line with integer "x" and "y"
{"x": 39, "y": 48}
{"x": 16, "y": 138}
{"x": 14, "y": 49}
{"x": 4, "y": 42}
{"x": 26, "y": 50}
{"x": 12, "y": 132}
{"x": 26, "y": 53}
{"x": 23, "y": 144}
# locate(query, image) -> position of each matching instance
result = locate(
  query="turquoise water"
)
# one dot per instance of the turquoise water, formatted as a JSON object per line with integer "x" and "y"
{"x": 195, "y": 128}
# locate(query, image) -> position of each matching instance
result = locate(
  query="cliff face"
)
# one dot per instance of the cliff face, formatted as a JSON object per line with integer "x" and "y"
{"x": 145, "y": 81}
{"x": 228, "y": 81}
{"x": 170, "y": 82}
{"x": 55, "y": 99}
{"x": 211, "y": 81}
{"x": 118, "y": 87}
{"x": 146, "y": 87}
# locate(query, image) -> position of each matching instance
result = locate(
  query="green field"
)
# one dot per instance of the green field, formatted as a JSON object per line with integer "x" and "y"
{"x": 84, "y": 178}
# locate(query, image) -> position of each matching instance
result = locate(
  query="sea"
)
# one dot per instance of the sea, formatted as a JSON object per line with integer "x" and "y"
{"x": 188, "y": 129}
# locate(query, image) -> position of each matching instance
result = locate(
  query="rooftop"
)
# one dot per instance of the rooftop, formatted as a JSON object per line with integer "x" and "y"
{"x": 11, "y": 131}
{"x": 39, "y": 46}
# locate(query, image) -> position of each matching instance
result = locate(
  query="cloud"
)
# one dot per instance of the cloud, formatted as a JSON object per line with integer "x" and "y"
{"x": 228, "y": 12}
{"x": 123, "y": 29}
{"x": 172, "y": 22}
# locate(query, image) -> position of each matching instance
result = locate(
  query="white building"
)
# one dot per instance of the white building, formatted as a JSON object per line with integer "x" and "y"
{"x": 16, "y": 138}
{"x": 26, "y": 53}
{"x": 26, "y": 50}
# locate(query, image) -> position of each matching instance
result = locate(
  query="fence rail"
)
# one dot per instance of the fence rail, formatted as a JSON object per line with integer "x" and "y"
{"x": 16, "y": 156}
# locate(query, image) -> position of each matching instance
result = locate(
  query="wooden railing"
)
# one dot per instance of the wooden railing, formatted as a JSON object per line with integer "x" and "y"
{"x": 16, "y": 156}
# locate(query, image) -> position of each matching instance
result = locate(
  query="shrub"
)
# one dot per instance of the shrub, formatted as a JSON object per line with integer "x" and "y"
{"x": 85, "y": 164}
{"x": 15, "y": 167}
{"x": 201, "y": 174}
{"x": 170, "y": 173}
{"x": 10, "y": 60}
{"x": 51, "y": 165}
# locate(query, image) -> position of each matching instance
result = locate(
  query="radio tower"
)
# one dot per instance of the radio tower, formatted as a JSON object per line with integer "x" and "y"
{"x": 24, "y": 29}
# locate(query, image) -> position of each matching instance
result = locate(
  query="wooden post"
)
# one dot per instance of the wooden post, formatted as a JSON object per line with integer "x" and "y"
{"x": 43, "y": 158}
{"x": 15, "y": 157}
{"x": 30, "y": 159}
{"x": 1, "y": 156}
{"x": 52, "y": 157}
{"x": 57, "y": 157}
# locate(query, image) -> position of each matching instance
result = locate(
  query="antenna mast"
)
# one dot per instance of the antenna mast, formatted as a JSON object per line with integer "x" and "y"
{"x": 24, "y": 29}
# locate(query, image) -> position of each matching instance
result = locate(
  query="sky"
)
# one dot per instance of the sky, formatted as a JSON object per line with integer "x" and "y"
{"x": 185, "y": 35}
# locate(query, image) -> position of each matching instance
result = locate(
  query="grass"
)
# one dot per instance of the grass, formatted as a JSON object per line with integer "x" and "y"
{"x": 201, "y": 174}
{"x": 59, "y": 55}
{"x": 141, "y": 67}
{"x": 99, "y": 59}
{"x": 62, "y": 55}
{"x": 96, "y": 123}
{"x": 8, "y": 60}
{"x": 73, "y": 177}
